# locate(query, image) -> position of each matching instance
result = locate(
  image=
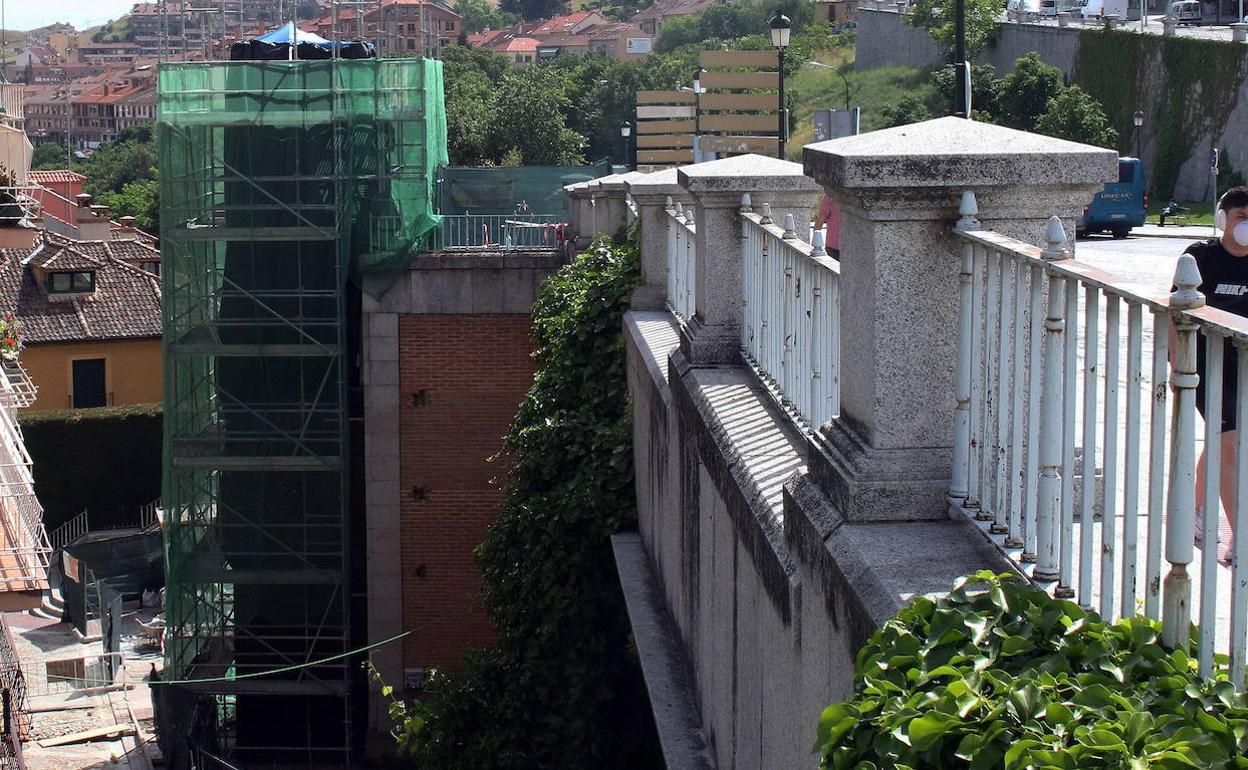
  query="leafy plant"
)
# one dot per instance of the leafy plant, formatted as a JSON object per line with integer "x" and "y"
{"x": 936, "y": 16}
{"x": 1024, "y": 94}
{"x": 1000, "y": 675}
{"x": 562, "y": 687}
{"x": 11, "y": 335}
{"x": 1074, "y": 115}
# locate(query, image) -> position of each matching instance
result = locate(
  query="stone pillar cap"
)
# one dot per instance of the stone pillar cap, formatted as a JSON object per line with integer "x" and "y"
{"x": 746, "y": 173}
{"x": 955, "y": 152}
{"x": 614, "y": 182}
{"x": 656, "y": 183}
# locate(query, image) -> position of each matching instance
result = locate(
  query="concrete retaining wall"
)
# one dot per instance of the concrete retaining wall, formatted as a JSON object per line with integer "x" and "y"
{"x": 769, "y": 592}
{"x": 884, "y": 40}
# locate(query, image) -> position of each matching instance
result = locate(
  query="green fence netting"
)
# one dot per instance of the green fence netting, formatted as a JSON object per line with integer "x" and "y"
{"x": 501, "y": 190}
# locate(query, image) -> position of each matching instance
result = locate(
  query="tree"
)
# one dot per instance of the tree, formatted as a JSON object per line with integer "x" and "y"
{"x": 531, "y": 9}
{"x": 140, "y": 200}
{"x": 49, "y": 156}
{"x": 1025, "y": 93}
{"x": 908, "y": 109}
{"x": 479, "y": 15}
{"x": 677, "y": 32}
{"x": 984, "y": 88}
{"x": 1073, "y": 114}
{"x": 936, "y": 16}
{"x": 528, "y": 115}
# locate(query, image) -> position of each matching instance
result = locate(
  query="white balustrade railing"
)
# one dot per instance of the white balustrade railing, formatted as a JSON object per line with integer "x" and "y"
{"x": 790, "y": 319}
{"x": 681, "y": 260}
{"x": 1046, "y": 395}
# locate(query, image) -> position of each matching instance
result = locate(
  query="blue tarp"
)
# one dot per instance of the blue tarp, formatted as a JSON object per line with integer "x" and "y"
{"x": 290, "y": 42}
{"x": 287, "y": 34}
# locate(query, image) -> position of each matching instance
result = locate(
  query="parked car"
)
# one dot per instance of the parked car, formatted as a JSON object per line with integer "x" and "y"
{"x": 1187, "y": 12}
{"x": 1120, "y": 205}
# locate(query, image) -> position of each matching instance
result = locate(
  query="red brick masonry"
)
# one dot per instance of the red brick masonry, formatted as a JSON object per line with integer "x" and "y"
{"x": 473, "y": 371}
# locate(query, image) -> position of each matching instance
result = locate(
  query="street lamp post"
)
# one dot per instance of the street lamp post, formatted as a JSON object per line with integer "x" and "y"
{"x": 1138, "y": 120}
{"x": 698, "y": 90}
{"x": 781, "y": 28}
{"x": 626, "y": 130}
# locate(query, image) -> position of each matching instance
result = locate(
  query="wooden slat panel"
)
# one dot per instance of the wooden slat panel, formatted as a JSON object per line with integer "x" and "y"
{"x": 740, "y": 123}
{"x": 740, "y": 102}
{"x": 665, "y": 112}
{"x": 739, "y": 59}
{"x": 741, "y": 79}
{"x": 665, "y": 156}
{"x": 665, "y": 97}
{"x": 672, "y": 141}
{"x": 763, "y": 145}
{"x": 666, "y": 127}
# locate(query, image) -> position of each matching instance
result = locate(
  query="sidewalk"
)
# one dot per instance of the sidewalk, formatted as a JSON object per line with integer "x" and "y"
{"x": 1191, "y": 232}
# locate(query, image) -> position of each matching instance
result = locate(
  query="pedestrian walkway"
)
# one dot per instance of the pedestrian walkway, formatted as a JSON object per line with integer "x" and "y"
{"x": 1190, "y": 232}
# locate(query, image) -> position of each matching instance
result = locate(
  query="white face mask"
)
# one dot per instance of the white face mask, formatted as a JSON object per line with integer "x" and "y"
{"x": 1240, "y": 233}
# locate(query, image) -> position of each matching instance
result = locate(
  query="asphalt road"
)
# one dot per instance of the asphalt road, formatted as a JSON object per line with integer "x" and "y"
{"x": 1140, "y": 260}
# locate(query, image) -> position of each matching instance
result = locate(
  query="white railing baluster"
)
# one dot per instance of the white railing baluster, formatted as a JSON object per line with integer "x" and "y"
{"x": 1157, "y": 463}
{"x": 1131, "y": 469}
{"x": 1048, "y": 493}
{"x": 990, "y": 504}
{"x": 975, "y": 451}
{"x": 960, "y": 484}
{"x": 1212, "y": 495}
{"x": 1109, "y": 491}
{"x": 792, "y": 303}
{"x": 1034, "y": 367}
{"x": 1087, "y": 496}
{"x": 1239, "y": 554}
{"x": 1070, "y": 378}
{"x": 1176, "y": 597}
{"x": 1017, "y": 536}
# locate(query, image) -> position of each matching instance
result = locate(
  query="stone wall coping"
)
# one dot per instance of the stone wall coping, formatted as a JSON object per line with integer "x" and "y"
{"x": 656, "y": 183}
{"x": 613, "y": 182}
{"x": 955, "y": 152}
{"x": 745, "y": 174}
{"x": 578, "y": 187}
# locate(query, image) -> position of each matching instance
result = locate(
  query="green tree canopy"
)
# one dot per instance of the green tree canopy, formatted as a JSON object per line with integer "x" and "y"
{"x": 1025, "y": 93}
{"x": 936, "y": 16}
{"x": 480, "y": 14}
{"x": 527, "y": 114}
{"x": 48, "y": 156}
{"x": 1073, "y": 114}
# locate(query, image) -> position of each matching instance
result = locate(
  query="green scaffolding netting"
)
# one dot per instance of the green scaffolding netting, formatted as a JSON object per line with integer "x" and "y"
{"x": 279, "y": 181}
{"x": 383, "y": 123}
{"x": 498, "y": 190}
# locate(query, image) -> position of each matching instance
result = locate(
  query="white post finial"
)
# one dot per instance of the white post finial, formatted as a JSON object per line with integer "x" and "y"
{"x": 1186, "y": 278}
{"x": 817, "y": 246}
{"x": 790, "y": 227}
{"x": 967, "y": 211}
{"x": 746, "y": 203}
{"x": 1055, "y": 241}
{"x": 667, "y": 204}
{"x": 766, "y": 214}
{"x": 680, "y": 211}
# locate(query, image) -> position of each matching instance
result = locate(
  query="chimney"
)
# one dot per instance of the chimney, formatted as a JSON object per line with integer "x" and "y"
{"x": 92, "y": 220}
{"x": 128, "y": 231}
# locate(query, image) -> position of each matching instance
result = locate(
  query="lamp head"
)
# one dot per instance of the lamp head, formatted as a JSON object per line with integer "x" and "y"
{"x": 1138, "y": 118}
{"x": 626, "y": 129}
{"x": 781, "y": 28}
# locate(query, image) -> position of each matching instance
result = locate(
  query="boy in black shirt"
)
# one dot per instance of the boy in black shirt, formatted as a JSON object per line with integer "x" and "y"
{"x": 1223, "y": 264}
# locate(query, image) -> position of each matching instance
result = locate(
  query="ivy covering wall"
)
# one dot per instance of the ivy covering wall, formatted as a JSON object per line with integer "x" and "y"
{"x": 1186, "y": 87}
{"x": 562, "y": 688}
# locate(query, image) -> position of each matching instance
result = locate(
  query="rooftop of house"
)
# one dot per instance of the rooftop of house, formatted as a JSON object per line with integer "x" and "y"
{"x": 613, "y": 31}
{"x": 124, "y": 302}
{"x": 61, "y": 176}
{"x": 567, "y": 22}
{"x": 518, "y": 45}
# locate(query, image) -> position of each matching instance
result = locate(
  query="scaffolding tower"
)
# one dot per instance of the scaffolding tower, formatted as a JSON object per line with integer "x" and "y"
{"x": 281, "y": 182}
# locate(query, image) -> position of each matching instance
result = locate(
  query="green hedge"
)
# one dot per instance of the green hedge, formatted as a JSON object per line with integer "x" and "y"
{"x": 999, "y": 675}
{"x": 106, "y": 460}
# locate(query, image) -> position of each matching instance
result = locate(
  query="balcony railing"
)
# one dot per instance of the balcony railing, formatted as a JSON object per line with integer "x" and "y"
{"x": 24, "y": 548}
{"x": 790, "y": 326}
{"x": 682, "y": 260}
{"x": 497, "y": 231}
{"x": 1046, "y": 394}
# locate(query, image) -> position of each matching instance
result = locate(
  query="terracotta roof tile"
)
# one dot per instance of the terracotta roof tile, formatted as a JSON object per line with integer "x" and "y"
{"x": 125, "y": 303}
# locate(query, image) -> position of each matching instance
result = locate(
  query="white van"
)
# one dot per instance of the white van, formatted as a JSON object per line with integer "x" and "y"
{"x": 1095, "y": 9}
{"x": 1186, "y": 12}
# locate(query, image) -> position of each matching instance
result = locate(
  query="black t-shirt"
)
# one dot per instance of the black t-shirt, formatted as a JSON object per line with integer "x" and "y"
{"x": 1224, "y": 282}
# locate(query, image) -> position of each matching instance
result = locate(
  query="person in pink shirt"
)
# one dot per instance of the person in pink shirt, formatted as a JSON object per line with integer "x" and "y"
{"x": 829, "y": 215}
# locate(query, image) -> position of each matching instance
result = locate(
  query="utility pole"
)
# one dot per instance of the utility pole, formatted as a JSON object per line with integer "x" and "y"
{"x": 960, "y": 66}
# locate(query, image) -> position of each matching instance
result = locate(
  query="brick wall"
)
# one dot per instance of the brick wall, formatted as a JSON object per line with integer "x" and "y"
{"x": 473, "y": 371}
